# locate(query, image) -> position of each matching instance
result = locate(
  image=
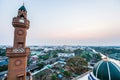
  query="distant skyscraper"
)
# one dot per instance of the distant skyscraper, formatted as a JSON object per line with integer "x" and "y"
{"x": 19, "y": 53}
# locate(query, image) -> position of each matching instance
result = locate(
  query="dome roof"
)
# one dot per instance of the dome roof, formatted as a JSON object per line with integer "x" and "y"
{"x": 106, "y": 70}
{"x": 22, "y": 8}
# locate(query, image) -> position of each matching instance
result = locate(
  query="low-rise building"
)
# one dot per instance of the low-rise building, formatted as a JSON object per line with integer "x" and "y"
{"x": 66, "y": 54}
{"x": 3, "y": 61}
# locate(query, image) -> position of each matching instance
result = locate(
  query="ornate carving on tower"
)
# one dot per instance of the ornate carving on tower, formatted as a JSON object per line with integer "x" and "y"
{"x": 19, "y": 53}
{"x": 21, "y": 19}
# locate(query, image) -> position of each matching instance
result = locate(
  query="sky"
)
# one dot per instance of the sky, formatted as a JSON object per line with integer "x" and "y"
{"x": 64, "y": 22}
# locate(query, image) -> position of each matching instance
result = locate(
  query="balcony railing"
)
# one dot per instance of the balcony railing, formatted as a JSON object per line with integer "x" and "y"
{"x": 18, "y": 23}
{"x": 17, "y": 51}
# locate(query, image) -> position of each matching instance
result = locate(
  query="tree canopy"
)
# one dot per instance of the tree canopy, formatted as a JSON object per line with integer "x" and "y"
{"x": 77, "y": 64}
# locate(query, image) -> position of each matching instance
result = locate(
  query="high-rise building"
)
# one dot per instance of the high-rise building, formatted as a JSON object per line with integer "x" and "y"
{"x": 19, "y": 52}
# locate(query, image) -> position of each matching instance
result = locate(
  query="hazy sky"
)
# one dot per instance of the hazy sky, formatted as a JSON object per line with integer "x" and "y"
{"x": 64, "y": 22}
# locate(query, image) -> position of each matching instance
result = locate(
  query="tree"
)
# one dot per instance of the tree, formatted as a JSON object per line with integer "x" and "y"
{"x": 40, "y": 76}
{"x": 78, "y": 52}
{"x": 67, "y": 73}
{"x": 86, "y": 55}
{"x": 77, "y": 65}
{"x": 2, "y": 52}
{"x": 44, "y": 57}
{"x": 3, "y": 68}
{"x": 97, "y": 57}
{"x": 41, "y": 65}
{"x": 54, "y": 77}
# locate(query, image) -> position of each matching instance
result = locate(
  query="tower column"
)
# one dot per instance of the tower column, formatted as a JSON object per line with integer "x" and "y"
{"x": 19, "y": 52}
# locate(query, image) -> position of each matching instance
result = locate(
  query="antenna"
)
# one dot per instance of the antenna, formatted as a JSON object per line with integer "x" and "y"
{"x": 23, "y": 3}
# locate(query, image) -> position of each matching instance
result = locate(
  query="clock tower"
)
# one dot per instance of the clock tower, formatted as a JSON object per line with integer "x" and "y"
{"x": 19, "y": 52}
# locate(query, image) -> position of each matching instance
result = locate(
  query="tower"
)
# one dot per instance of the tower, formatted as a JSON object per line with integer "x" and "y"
{"x": 19, "y": 52}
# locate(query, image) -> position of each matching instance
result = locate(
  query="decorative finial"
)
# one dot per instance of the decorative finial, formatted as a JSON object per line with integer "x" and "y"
{"x": 23, "y": 3}
{"x": 106, "y": 57}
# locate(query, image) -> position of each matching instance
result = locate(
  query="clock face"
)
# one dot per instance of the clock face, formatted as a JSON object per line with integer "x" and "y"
{"x": 20, "y": 32}
{"x": 18, "y": 62}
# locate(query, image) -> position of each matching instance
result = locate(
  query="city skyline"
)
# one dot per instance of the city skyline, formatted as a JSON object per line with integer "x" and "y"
{"x": 64, "y": 22}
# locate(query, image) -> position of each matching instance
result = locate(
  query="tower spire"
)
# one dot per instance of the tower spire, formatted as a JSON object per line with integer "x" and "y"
{"x": 23, "y": 3}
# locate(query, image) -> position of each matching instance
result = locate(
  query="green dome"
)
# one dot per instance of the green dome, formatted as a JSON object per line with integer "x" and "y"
{"x": 22, "y": 8}
{"x": 106, "y": 70}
